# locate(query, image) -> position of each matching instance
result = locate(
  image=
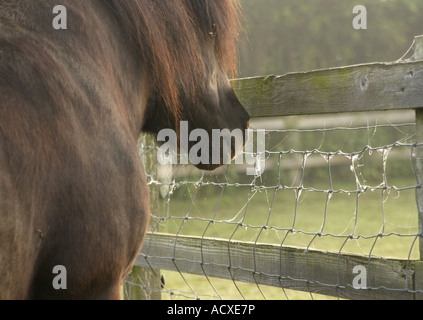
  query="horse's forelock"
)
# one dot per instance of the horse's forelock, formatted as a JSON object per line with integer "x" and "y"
{"x": 166, "y": 33}
{"x": 223, "y": 17}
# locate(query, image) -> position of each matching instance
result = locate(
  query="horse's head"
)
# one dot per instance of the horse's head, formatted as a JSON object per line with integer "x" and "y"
{"x": 209, "y": 121}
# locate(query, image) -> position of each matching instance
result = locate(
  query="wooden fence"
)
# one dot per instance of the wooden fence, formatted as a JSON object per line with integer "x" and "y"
{"x": 365, "y": 87}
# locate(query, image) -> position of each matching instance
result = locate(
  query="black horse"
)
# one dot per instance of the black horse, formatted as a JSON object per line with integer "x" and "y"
{"x": 73, "y": 102}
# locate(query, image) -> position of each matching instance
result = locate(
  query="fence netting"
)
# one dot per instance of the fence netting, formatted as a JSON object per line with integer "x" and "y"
{"x": 336, "y": 183}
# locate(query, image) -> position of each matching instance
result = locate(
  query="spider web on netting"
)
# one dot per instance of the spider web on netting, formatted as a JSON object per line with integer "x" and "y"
{"x": 342, "y": 183}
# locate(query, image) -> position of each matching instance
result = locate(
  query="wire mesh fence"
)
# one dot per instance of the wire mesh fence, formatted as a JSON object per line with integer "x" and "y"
{"x": 343, "y": 184}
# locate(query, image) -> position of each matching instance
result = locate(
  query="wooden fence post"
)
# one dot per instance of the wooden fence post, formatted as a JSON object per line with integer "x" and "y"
{"x": 418, "y": 55}
{"x": 418, "y": 272}
{"x": 144, "y": 283}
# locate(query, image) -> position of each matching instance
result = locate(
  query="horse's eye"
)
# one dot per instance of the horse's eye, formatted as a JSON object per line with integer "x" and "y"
{"x": 213, "y": 30}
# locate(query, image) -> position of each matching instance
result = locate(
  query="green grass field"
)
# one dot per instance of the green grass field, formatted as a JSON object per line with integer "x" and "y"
{"x": 358, "y": 201}
{"x": 292, "y": 220}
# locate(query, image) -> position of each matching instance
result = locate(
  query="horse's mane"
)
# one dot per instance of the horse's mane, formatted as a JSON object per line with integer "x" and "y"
{"x": 166, "y": 33}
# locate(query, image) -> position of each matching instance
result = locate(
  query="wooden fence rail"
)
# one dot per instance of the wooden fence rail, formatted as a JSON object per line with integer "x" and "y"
{"x": 359, "y": 88}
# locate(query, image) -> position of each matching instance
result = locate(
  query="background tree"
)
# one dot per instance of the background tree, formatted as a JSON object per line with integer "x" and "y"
{"x": 299, "y": 35}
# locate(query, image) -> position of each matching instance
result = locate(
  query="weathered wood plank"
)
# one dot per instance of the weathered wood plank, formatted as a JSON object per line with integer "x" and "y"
{"x": 288, "y": 267}
{"x": 365, "y": 87}
{"x": 418, "y": 281}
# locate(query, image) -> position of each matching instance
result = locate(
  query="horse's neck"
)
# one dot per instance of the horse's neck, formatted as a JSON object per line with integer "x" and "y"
{"x": 92, "y": 52}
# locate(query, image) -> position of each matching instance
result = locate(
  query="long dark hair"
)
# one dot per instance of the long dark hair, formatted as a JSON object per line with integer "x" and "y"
{"x": 166, "y": 33}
